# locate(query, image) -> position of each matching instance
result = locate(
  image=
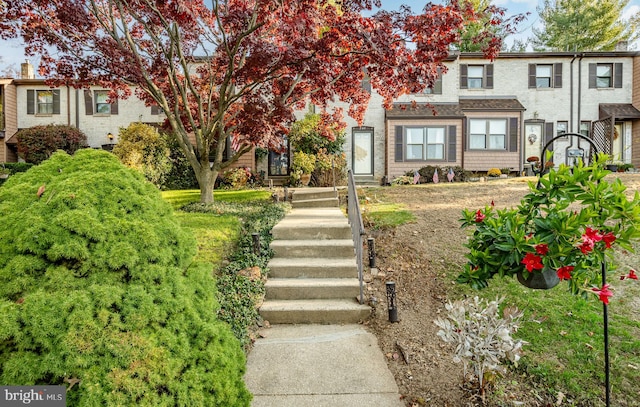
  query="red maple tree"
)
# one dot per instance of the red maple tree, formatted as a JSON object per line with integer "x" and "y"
{"x": 238, "y": 69}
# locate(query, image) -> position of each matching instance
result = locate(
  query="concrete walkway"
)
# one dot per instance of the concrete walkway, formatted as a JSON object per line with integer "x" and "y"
{"x": 297, "y": 362}
{"x": 319, "y": 366}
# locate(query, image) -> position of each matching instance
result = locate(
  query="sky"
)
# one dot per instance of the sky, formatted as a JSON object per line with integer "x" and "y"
{"x": 12, "y": 55}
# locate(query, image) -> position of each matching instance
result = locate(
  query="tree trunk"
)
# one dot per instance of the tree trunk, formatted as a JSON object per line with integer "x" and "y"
{"x": 207, "y": 181}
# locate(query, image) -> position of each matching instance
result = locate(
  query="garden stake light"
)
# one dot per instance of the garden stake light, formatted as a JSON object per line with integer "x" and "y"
{"x": 391, "y": 301}
{"x": 371, "y": 243}
{"x": 256, "y": 243}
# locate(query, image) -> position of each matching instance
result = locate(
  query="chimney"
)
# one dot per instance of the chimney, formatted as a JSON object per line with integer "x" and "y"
{"x": 622, "y": 46}
{"x": 26, "y": 71}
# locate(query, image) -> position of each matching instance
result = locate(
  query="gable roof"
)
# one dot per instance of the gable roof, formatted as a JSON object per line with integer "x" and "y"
{"x": 424, "y": 110}
{"x": 496, "y": 104}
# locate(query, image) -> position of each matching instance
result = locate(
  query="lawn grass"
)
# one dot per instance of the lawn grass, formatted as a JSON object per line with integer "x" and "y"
{"x": 214, "y": 233}
{"x": 385, "y": 215}
{"x": 180, "y": 198}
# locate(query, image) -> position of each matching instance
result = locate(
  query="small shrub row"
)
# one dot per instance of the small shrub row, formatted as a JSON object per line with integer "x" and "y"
{"x": 426, "y": 174}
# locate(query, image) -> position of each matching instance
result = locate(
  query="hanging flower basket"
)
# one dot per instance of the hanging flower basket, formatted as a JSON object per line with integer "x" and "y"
{"x": 568, "y": 224}
{"x": 544, "y": 280}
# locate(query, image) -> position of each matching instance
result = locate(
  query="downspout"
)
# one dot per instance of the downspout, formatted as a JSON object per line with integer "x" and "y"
{"x": 68, "y": 106}
{"x": 77, "y": 110}
{"x": 571, "y": 94}
{"x": 580, "y": 89}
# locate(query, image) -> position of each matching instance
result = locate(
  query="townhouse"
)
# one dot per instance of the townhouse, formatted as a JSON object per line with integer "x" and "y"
{"x": 480, "y": 114}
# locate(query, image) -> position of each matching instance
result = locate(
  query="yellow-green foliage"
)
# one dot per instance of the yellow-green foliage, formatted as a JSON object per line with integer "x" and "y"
{"x": 97, "y": 285}
{"x": 142, "y": 147}
{"x": 494, "y": 172}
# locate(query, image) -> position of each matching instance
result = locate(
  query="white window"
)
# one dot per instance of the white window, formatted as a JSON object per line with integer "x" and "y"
{"x": 424, "y": 143}
{"x": 475, "y": 73}
{"x": 44, "y": 101}
{"x": 544, "y": 76}
{"x": 562, "y": 128}
{"x": 102, "y": 106}
{"x": 604, "y": 76}
{"x": 489, "y": 134}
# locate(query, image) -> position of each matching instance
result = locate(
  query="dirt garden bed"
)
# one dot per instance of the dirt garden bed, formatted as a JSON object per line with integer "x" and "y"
{"x": 419, "y": 257}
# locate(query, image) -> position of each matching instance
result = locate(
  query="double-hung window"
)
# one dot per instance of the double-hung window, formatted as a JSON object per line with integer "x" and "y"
{"x": 102, "y": 106}
{"x": 425, "y": 143}
{"x": 545, "y": 76}
{"x": 475, "y": 73}
{"x": 476, "y": 76}
{"x": 605, "y": 75}
{"x": 488, "y": 134}
{"x": 43, "y": 102}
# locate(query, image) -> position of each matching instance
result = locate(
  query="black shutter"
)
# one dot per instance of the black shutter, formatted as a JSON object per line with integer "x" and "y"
{"x": 488, "y": 73}
{"x": 31, "y": 101}
{"x": 592, "y": 76}
{"x": 56, "y": 101}
{"x": 88, "y": 103}
{"x": 513, "y": 134}
{"x": 114, "y": 107}
{"x": 399, "y": 144}
{"x": 557, "y": 75}
{"x": 617, "y": 75}
{"x": 451, "y": 157}
{"x": 532, "y": 75}
{"x": 463, "y": 76}
{"x": 548, "y": 135}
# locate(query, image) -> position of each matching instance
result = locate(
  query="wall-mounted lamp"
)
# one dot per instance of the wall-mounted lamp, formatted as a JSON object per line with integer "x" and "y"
{"x": 110, "y": 136}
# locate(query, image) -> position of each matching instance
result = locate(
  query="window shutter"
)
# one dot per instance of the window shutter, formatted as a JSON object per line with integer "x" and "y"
{"x": 557, "y": 75}
{"x": 56, "y": 101}
{"x": 513, "y": 134}
{"x": 548, "y": 135}
{"x": 617, "y": 75}
{"x": 488, "y": 76}
{"x": 114, "y": 107}
{"x": 463, "y": 76}
{"x": 155, "y": 110}
{"x": 532, "y": 75}
{"x": 88, "y": 103}
{"x": 451, "y": 157}
{"x": 592, "y": 76}
{"x": 399, "y": 144}
{"x": 31, "y": 101}
{"x": 437, "y": 86}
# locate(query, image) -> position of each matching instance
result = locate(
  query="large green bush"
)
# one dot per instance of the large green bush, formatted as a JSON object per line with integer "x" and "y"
{"x": 97, "y": 286}
{"x": 37, "y": 143}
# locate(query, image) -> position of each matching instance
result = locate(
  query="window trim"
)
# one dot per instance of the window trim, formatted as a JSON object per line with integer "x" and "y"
{"x": 425, "y": 145}
{"x": 555, "y": 78}
{"x": 33, "y": 106}
{"x": 487, "y": 135}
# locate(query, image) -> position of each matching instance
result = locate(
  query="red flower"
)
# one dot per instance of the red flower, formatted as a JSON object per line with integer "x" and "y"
{"x": 493, "y": 203}
{"x": 586, "y": 246}
{"x": 603, "y": 293}
{"x": 564, "y": 273}
{"x": 592, "y": 234}
{"x": 532, "y": 262}
{"x": 542, "y": 249}
{"x": 632, "y": 275}
{"x": 608, "y": 239}
{"x": 479, "y": 216}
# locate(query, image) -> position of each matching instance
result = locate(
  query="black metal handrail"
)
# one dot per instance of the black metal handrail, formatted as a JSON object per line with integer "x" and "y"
{"x": 357, "y": 227}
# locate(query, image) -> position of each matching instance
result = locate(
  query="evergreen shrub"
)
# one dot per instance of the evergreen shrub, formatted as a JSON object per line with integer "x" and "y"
{"x": 97, "y": 288}
{"x": 37, "y": 143}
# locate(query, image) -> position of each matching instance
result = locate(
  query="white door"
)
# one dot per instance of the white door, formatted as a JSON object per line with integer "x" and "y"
{"x": 362, "y": 152}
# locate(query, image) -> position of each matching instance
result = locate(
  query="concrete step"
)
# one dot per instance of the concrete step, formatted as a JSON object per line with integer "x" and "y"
{"x": 312, "y": 193}
{"x": 311, "y": 288}
{"x": 313, "y": 267}
{"x": 335, "y": 248}
{"x": 315, "y": 203}
{"x": 309, "y": 229}
{"x": 318, "y": 215}
{"x": 314, "y": 311}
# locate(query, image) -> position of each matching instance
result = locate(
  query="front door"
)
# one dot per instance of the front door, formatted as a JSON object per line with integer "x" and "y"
{"x": 362, "y": 156}
{"x": 533, "y": 142}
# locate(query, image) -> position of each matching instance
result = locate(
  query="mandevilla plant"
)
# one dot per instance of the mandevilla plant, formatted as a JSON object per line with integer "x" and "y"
{"x": 569, "y": 222}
